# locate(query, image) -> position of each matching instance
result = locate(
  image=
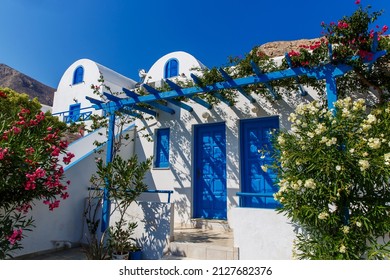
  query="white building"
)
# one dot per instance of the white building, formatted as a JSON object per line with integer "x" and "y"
{"x": 205, "y": 156}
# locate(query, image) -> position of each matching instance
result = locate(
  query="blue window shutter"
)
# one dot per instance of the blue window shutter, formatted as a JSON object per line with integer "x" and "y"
{"x": 171, "y": 68}
{"x": 78, "y": 75}
{"x": 162, "y": 148}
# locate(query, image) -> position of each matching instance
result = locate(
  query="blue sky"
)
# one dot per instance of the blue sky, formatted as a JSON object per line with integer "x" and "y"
{"x": 42, "y": 38}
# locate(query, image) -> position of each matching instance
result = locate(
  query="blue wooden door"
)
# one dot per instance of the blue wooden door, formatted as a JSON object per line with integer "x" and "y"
{"x": 210, "y": 171}
{"x": 255, "y": 136}
{"x": 74, "y": 112}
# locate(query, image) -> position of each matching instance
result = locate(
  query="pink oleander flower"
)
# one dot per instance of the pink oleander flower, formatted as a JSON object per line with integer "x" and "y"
{"x": 54, "y": 205}
{"x": 357, "y": 2}
{"x": 16, "y": 236}
{"x": 64, "y": 195}
{"x": 40, "y": 173}
{"x": 3, "y": 152}
{"x": 385, "y": 28}
{"x": 16, "y": 130}
{"x": 30, "y": 151}
{"x": 68, "y": 158}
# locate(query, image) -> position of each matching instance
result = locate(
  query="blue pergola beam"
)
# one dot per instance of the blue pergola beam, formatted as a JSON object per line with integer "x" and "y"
{"x": 156, "y": 92}
{"x": 258, "y": 72}
{"x": 130, "y": 112}
{"x": 145, "y": 110}
{"x": 201, "y": 102}
{"x": 207, "y": 89}
{"x": 130, "y": 93}
{"x": 229, "y": 79}
{"x": 181, "y": 105}
{"x": 162, "y": 107}
{"x": 112, "y": 97}
{"x": 94, "y": 101}
{"x": 198, "y": 100}
{"x": 319, "y": 72}
{"x": 289, "y": 62}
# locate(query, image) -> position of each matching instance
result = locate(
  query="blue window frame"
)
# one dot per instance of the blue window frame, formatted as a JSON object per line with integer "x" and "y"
{"x": 171, "y": 68}
{"x": 78, "y": 75}
{"x": 162, "y": 148}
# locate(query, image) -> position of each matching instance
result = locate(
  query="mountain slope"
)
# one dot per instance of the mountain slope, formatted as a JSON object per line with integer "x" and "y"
{"x": 22, "y": 83}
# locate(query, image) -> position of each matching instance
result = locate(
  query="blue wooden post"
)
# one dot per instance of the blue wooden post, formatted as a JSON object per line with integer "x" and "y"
{"x": 331, "y": 91}
{"x": 109, "y": 153}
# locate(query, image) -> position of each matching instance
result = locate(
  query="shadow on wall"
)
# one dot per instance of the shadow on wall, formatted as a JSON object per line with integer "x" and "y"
{"x": 157, "y": 229}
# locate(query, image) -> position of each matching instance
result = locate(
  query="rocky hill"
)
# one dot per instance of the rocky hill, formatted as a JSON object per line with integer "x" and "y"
{"x": 279, "y": 48}
{"x": 22, "y": 83}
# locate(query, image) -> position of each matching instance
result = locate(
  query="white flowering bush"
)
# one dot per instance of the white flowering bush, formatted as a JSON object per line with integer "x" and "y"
{"x": 334, "y": 179}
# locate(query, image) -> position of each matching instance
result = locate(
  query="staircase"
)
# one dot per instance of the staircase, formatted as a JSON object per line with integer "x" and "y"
{"x": 203, "y": 240}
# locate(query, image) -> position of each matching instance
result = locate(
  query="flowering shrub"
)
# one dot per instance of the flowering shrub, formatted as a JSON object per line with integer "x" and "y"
{"x": 351, "y": 39}
{"x": 31, "y": 151}
{"x": 334, "y": 171}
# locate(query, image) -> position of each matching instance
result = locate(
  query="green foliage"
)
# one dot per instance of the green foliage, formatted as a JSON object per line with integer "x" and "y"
{"x": 334, "y": 171}
{"x": 123, "y": 179}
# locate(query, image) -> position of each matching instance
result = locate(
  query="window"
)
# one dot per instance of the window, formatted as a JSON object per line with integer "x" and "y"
{"x": 78, "y": 75}
{"x": 162, "y": 148}
{"x": 171, "y": 68}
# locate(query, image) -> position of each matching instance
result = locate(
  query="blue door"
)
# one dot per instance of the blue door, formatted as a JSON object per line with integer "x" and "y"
{"x": 74, "y": 112}
{"x": 255, "y": 136}
{"x": 210, "y": 171}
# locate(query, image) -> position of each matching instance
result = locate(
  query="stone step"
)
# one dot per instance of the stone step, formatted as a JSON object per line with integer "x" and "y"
{"x": 207, "y": 242}
{"x": 201, "y": 251}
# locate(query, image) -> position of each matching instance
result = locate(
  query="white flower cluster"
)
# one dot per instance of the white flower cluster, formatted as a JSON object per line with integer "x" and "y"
{"x": 328, "y": 141}
{"x": 387, "y": 158}
{"x": 310, "y": 184}
{"x": 374, "y": 143}
{"x": 364, "y": 164}
{"x": 323, "y": 215}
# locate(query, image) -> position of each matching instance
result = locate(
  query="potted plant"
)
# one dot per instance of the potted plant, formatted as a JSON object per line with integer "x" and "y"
{"x": 124, "y": 181}
{"x": 120, "y": 240}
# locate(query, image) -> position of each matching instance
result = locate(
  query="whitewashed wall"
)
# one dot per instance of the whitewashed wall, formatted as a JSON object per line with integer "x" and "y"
{"x": 67, "y": 92}
{"x": 65, "y": 224}
{"x": 261, "y": 234}
{"x": 178, "y": 177}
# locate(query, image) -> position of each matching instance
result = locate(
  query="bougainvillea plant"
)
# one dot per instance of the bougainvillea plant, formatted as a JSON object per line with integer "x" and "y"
{"x": 334, "y": 174}
{"x": 32, "y": 154}
{"x": 350, "y": 40}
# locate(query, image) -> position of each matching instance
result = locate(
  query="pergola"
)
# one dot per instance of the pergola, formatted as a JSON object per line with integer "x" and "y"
{"x": 131, "y": 103}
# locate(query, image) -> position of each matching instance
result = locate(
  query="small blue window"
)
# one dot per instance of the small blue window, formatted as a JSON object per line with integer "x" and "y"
{"x": 78, "y": 75}
{"x": 171, "y": 68}
{"x": 162, "y": 148}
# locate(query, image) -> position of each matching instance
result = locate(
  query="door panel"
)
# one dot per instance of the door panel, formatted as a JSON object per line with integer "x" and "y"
{"x": 210, "y": 171}
{"x": 255, "y": 136}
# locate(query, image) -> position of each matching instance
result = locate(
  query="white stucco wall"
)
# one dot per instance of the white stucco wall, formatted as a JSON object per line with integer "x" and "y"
{"x": 186, "y": 62}
{"x": 178, "y": 177}
{"x": 261, "y": 234}
{"x": 67, "y": 92}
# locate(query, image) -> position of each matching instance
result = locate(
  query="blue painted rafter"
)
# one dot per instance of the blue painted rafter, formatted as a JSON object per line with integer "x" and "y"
{"x": 156, "y": 92}
{"x": 289, "y": 62}
{"x": 198, "y": 100}
{"x": 320, "y": 72}
{"x": 206, "y": 89}
{"x": 258, "y": 72}
{"x": 239, "y": 89}
{"x": 161, "y": 107}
